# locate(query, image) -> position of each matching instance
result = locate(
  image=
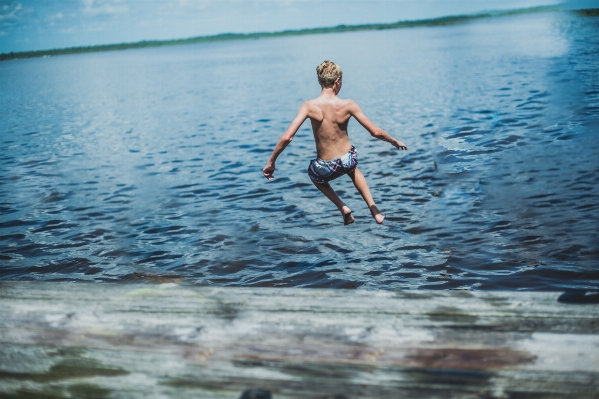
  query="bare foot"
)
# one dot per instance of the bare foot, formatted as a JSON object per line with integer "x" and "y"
{"x": 376, "y": 214}
{"x": 379, "y": 218}
{"x": 347, "y": 216}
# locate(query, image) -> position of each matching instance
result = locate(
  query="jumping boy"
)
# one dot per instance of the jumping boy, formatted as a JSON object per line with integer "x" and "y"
{"x": 329, "y": 116}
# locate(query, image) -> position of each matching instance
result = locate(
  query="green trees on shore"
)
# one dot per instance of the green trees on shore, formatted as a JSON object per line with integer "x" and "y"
{"x": 449, "y": 20}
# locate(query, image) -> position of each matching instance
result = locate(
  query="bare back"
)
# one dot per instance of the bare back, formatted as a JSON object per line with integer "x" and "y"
{"x": 329, "y": 116}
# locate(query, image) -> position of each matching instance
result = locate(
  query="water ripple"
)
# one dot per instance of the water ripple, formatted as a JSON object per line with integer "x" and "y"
{"x": 151, "y": 173}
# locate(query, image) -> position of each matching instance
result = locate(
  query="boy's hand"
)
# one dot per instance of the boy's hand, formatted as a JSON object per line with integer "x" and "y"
{"x": 268, "y": 170}
{"x": 399, "y": 145}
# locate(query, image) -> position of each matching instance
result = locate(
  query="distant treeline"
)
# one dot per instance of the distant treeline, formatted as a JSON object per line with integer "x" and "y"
{"x": 450, "y": 20}
{"x": 589, "y": 12}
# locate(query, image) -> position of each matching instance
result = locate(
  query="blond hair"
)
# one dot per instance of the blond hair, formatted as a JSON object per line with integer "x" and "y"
{"x": 327, "y": 73}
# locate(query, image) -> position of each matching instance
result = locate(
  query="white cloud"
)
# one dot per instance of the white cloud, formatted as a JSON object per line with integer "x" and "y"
{"x": 104, "y": 7}
{"x": 52, "y": 19}
{"x": 197, "y": 4}
{"x": 12, "y": 14}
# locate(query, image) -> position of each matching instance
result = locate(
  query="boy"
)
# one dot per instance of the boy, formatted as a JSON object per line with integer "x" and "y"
{"x": 329, "y": 116}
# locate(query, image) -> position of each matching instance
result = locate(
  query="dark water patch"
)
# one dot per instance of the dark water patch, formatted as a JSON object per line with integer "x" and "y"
{"x": 12, "y": 237}
{"x": 54, "y": 225}
{"x": 579, "y": 297}
{"x": 55, "y": 196}
{"x": 6, "y": 210}
{"x": 16, "y": 223}
{"x": 183, "y": 186}
{"x": 165, "y": 230}
{"x": 419, "y": 230}
{"x": 28, "y": 249}
{"x": 34, "y": 162}
{"x": 65, "y": 266}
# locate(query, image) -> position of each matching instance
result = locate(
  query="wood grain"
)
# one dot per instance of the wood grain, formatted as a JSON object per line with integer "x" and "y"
{"x": 74, "y": 340}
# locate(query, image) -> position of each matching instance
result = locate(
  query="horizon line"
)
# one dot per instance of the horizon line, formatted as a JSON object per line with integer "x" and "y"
{"x": 438, "y": 21}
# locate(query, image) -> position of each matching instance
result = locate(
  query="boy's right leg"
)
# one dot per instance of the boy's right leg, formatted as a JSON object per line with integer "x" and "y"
{"x": 360, "y": 182}
{"x": 328, "y": 191}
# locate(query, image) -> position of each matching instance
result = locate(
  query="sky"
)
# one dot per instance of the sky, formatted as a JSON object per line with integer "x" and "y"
{"x": 27, "y": 25}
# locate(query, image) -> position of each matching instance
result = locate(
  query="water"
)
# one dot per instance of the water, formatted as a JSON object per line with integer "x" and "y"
{"x": 145, "y": 165}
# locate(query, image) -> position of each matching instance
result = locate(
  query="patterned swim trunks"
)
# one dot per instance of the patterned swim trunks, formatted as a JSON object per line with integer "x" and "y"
{"x": 322, "y": 171}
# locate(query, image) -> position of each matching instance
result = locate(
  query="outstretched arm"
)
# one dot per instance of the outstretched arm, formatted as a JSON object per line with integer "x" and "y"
{"x": 284, "y": 141}
{"x": 373, "y": 129}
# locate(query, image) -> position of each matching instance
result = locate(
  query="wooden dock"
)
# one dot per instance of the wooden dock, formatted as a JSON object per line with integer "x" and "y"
{"x": 78, "y": 340}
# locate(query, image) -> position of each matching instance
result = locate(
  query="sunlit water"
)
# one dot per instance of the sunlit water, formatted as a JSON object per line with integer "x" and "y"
{"x": 145, "y": 165}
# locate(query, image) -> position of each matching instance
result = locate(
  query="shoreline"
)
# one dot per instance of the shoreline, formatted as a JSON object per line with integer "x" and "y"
{"x": 429, "y": 22}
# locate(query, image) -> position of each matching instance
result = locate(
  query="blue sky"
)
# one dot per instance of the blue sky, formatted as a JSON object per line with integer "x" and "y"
{"x": 43, "y": 24}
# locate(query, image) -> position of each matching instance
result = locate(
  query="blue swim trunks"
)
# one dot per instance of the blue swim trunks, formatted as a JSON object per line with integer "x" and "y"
{"x": 322, "y": 171}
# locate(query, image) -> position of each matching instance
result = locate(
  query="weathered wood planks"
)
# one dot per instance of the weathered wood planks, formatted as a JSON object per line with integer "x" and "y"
{"x": 73, "y": 340}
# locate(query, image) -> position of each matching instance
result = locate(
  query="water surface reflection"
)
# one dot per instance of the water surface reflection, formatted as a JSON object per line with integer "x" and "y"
{"x": 146, "y": 164}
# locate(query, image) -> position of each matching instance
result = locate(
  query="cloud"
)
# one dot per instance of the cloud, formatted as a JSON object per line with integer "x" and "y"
{"x": 13, "y": 15}
{"x": 104, "y": 7}
{"x": 9, "y": 12}
{"x": 55, "y": 19}
{"x": 197, "y": 4}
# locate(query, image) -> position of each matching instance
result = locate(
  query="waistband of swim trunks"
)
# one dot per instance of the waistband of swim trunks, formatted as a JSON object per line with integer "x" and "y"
{"x": 351, "y": 150}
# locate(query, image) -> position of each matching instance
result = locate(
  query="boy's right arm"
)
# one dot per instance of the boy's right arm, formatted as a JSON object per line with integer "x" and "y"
{"x": 284, "y": 141}
{"x": 373, "y": 129}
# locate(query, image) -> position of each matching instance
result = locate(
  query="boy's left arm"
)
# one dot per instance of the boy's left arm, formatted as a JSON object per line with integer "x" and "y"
{"x": 373, "y": 129}
{"x": 284, "y": 141}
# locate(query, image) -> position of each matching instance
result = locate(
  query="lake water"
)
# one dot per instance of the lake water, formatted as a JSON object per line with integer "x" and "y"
{"x": 145, "y": 165}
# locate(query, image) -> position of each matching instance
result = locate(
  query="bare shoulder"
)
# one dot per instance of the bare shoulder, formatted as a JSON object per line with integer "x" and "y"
{"x": 310, "y": 105}
{"x": 349, "y": 103}
{"x": 351, "y": 106}
{"x": 311, "y": 109}
{"x": 305, "y": 109}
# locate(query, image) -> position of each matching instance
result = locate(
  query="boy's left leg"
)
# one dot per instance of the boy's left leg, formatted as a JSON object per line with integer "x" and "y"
{"x": 360, "y": 182}
{"x": 328, "y": 191}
